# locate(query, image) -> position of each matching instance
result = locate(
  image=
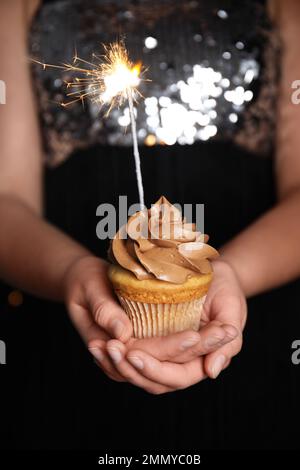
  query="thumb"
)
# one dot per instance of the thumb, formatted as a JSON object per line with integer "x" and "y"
{"x": 110, "y": 316}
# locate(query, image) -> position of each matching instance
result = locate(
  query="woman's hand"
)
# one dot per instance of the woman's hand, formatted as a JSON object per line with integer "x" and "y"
{"x": 170, "y": 363}
{"x": 94, "y": 311}
{"x": 161, "y": 365}
{"x": 99, "y": 319}
{"x": 225, "y": 302}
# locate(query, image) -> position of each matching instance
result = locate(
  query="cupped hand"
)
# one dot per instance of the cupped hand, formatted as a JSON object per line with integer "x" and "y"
{"x": 158, "y": 365}
{"x": 99, "y": 319}
{"x": 94, "y": 311}
{"x": 225, "y": 302}
{"x": 161, "y": 365}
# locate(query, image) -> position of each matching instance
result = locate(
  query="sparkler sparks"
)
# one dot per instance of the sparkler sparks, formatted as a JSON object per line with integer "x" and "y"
{"x": 111, "y": 80}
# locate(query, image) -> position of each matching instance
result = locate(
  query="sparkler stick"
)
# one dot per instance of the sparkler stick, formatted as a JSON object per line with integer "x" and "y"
{"x": 136, "y": 152}
{"x": 111, "y": 81}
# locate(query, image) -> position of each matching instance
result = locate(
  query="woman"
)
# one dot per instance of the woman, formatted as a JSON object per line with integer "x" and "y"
{"x": 42, "y": 260}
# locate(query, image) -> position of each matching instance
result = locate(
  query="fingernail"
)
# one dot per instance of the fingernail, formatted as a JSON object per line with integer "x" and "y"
{"x": 210, "y": 342}
{"x": 97, "y": 353}
{"x": 115, "y": 354}
{"x": 118, "y": 327}
{"x": 218, "y": 366}
{"x": 136, "y": 362}
{"x": 188, "y": 343}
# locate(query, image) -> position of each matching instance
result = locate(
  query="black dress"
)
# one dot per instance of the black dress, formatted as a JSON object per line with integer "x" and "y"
{"x": 54, "y": 395}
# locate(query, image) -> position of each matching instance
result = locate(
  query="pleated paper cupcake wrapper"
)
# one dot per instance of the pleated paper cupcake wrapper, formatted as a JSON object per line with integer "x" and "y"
{"x": 150, "y": 320}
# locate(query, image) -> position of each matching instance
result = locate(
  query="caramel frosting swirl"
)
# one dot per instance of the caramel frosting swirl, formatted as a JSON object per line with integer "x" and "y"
{"x": 159, "y": 244}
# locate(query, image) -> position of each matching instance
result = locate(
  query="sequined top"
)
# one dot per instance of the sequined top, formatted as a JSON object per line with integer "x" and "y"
{"x": 212, "y": 66}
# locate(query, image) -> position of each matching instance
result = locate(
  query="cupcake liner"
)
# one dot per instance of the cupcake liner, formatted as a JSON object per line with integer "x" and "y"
{"x": 151, "y": 320}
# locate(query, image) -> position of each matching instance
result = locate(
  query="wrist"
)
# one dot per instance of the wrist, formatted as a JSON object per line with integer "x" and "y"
{"x": 223, "y": 265}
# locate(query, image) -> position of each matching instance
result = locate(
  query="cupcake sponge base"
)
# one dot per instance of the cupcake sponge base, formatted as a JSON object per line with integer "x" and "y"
{"x": 150, "y": 320}
{"x": 156, "y": 291}
{"x": 158, "y": 308}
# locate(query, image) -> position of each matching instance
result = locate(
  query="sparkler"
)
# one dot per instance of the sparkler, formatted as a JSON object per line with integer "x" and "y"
{"x": 111, "y": 81}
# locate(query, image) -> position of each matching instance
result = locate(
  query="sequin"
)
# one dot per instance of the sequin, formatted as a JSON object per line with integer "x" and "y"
{"x": 240, "y": 45}
{"x": 204, "y": 62}
{"x": 226, "y": 55}
{"x": 151, "y": 42}
{"x": 222, "y": 14}
{"x": 233, "y": 117}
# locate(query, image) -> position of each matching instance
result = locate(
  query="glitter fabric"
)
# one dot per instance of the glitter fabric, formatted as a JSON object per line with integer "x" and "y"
{"x": 212, "y": 65}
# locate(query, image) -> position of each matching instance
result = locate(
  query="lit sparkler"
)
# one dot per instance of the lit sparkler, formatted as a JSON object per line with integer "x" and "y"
{"x": 111, "y": 81}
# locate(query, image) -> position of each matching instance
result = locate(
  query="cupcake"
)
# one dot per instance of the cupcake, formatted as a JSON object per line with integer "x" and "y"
{"x": 161, "y": 271}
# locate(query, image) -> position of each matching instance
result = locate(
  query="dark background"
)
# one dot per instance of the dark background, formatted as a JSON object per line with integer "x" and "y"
{"x": 52, "y": 394}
